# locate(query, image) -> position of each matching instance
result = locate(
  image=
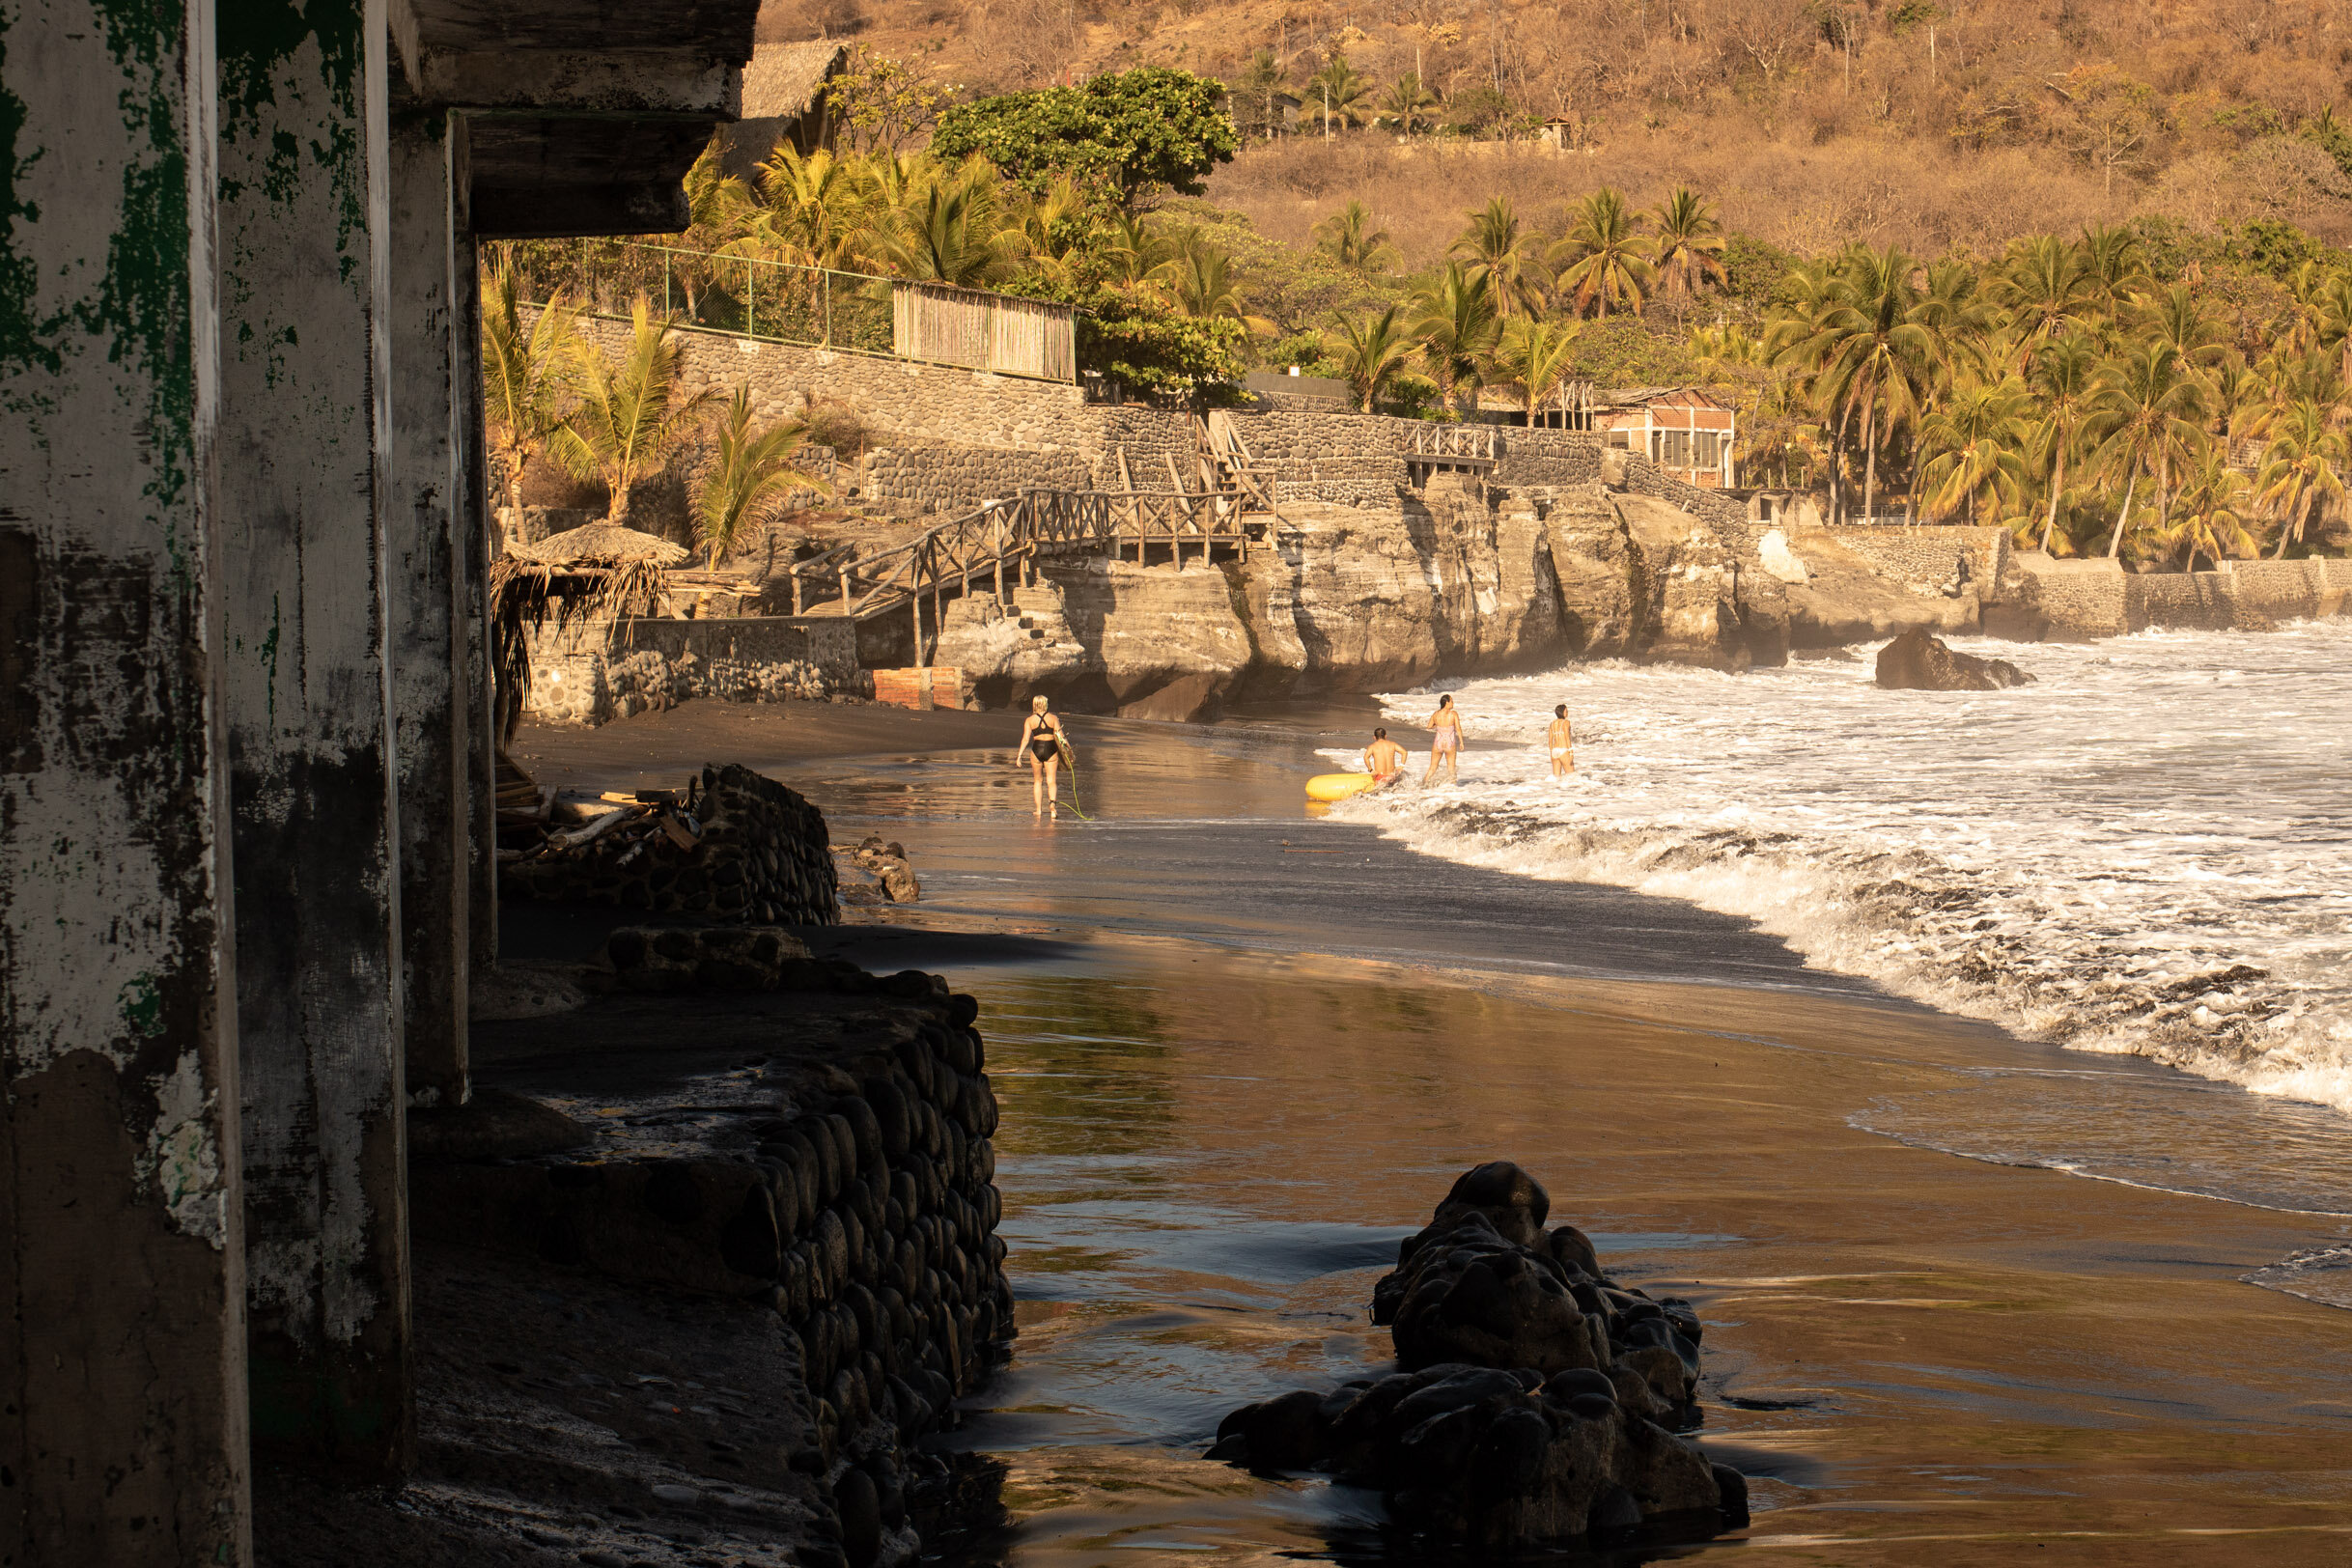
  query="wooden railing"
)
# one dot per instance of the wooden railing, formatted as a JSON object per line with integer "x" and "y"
{"x": 1435, "y": 440}
{"x": 982, "y": 544}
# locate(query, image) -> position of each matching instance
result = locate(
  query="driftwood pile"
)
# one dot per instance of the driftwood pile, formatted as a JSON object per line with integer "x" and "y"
{"x": 730, "y": 845}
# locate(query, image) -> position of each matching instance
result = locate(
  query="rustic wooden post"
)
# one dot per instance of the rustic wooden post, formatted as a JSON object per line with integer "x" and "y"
{"x": 845, "y": 590}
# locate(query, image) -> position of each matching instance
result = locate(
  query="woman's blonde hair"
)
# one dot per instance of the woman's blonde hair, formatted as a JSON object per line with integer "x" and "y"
{"x": 1038, "y": 703}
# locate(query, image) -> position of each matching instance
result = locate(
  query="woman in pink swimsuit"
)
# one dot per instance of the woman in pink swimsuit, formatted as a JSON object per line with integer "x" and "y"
{"x": 1444, "y": 741}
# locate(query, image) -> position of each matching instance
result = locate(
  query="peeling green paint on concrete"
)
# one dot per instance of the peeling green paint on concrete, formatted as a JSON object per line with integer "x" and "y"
{"x": 142, "y": 1007}
{"x": 22, "y": 338}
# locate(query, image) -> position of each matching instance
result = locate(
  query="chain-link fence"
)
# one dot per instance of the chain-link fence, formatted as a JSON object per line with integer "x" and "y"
{"x": 749, "y": 294}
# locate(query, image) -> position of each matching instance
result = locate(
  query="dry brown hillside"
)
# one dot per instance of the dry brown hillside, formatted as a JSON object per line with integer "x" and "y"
{"x": 1928, "y": 122}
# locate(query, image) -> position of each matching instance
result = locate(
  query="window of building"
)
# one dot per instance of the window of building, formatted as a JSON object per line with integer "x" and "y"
{"x": 1672, "y": 448}
{"x": 1707, "y": 449}
{"x": 1622, "y": 440}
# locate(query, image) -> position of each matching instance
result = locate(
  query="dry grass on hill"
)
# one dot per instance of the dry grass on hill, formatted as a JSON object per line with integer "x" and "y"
{"x": 1925, "y": 122}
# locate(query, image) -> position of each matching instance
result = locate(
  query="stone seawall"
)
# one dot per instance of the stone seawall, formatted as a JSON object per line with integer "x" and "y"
{"x": 2083, "y": 599}
{"x": 802, "y": 1137}
{"x": 1928, "y": 558}
{"x": 591, "y": 674}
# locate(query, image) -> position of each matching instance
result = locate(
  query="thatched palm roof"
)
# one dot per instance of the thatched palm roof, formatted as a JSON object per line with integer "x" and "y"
{"x": 782, "y": 79}
{"x": 601, "y": 544}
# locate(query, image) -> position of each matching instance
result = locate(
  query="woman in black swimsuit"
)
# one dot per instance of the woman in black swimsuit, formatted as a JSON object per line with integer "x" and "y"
{"x": 1042, "y": 738}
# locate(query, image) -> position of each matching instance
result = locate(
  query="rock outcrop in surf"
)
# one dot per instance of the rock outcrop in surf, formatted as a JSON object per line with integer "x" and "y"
{"x": 1535, "y": 1400}
{"x": 1917, "y": 661}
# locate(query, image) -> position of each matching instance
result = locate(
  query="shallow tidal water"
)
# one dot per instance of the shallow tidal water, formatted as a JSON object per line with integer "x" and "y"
{"x": 1968, "y": 1298}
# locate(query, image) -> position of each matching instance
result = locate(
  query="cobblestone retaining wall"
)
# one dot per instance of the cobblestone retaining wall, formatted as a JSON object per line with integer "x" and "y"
{"x": 763, "y": 858}
{"x": 1929, "y": 557}
{"x": 595, "y": 673}
{"x": 942, "y": 481}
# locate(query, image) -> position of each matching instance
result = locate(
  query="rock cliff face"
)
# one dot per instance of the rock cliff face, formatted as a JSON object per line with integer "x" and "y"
{"x": 1459, "y": 577}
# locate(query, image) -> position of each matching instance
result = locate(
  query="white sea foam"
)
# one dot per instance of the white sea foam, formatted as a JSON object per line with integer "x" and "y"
{"x": 2148, "y": 851}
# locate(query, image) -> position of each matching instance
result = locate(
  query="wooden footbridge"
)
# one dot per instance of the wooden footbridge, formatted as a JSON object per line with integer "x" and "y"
{"x": 1221, "y": 504}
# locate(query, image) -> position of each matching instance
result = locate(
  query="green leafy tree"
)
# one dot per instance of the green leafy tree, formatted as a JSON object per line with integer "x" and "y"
{"x": 1602, "y": 262}
{"x": 631, "y": 414}
{"x": 525, "y": 372}
{"x": 1133, "y": 131}
{"x": 751, "y": 471}
{"x": 881, "y": 103}
{"x": 1373, "y": 352}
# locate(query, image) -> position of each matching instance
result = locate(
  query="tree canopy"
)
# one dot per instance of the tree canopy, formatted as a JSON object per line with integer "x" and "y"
{"x": 1131, "y": 133}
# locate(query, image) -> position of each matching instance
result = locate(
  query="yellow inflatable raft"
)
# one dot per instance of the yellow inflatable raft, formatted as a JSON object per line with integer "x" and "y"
{"x": 1338, "y": 785}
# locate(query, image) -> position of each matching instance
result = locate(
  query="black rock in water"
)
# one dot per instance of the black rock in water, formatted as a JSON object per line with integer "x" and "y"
{"x": 1918, "y": 662}
{"x": 1534, "y": 1393}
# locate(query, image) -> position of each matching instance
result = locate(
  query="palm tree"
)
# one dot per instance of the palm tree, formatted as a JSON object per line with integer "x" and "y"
{"x": 1455, "y": 322}
{"x": 1867, "y": 351}
{"x": 1974, "y": 446}
{"x": 2046, "y": 287}
{"x": 1536, "y": 355}
{"x": 2180, "y": 319}
{"x": 2146, "y": 407}
{"x": 1056, "y": 231}
{"x": 629, "y": 415}
{"x": 1499, "y": 250}
{"x": 812, "y": 207}
{"x": 1199, "y": 281}
{"x": 1409, "y": 105}
{"x": 1133, "y": 251}
{"x": 1373, "y": 353}
{"x": 2114, "y": 266}
{"x": 751, "y": 470}
{"x": 1689, "y": 250}
{"x": 525, "y": 381}
{"x": 952, "y": 232}
{"x": 1603, "y": 261}
{"x": 1338, "y": 95}
{"x": 2062, "y": 375}
{"x": 2210, "y": 523}
{"x": 1349, "y": 239}
{"x": 2304, "y": 466}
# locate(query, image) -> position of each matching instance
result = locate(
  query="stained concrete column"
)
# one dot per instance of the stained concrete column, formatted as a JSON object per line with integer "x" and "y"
{"x": 121, "y": 1280}
{"x": 304, "y": 438}
{"x": 431, "y": 692}
{"x": 474, "y": 535}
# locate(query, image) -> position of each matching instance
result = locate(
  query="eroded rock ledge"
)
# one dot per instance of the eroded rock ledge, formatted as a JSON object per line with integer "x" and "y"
{"x": 1536, "y": 1400}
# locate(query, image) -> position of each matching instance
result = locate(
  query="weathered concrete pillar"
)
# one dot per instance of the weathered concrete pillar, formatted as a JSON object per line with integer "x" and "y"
{"x": 121, "y": 1280}
{"x": 303, "y": 442}
{"x": 429, "y": 572}
{"x": 473, "y": 527}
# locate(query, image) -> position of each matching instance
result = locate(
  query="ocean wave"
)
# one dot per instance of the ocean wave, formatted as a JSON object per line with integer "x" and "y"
{"x": 2146, "y": 852}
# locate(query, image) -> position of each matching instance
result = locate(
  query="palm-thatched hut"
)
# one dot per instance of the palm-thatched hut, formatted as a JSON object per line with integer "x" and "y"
{"x": 784, "y": 99}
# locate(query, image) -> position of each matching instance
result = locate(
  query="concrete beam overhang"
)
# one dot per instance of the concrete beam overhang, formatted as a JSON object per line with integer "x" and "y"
{"x": 537, "y": 176}
{"x": 666, "y": 57}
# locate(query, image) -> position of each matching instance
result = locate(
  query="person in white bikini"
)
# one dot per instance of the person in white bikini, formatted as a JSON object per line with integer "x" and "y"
{"x": 1444, "y": 741}
{"x": 1562, "y": 740}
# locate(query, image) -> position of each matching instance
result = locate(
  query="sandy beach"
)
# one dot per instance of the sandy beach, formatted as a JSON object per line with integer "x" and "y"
{"x": 1966, "y": 1298}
